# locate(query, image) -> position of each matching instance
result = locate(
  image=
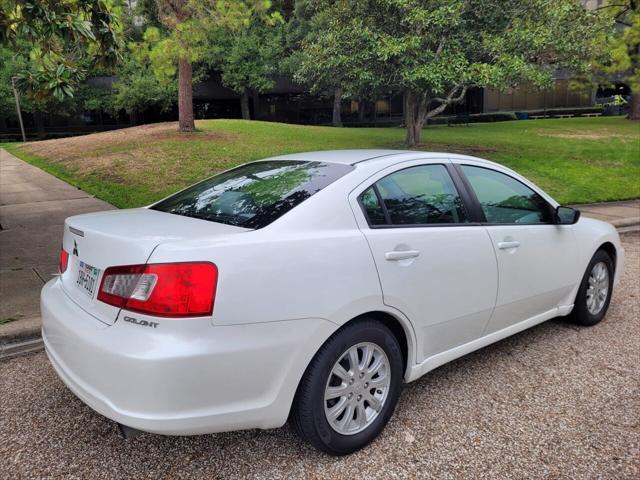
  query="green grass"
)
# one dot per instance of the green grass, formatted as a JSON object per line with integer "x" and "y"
{"x": 577, "y": 160}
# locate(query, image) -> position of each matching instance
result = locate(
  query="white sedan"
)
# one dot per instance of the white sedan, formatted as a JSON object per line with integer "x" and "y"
{"x": 309, "y": 287}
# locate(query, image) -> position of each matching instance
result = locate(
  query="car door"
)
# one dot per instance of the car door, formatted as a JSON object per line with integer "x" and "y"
{"x": 434, "y": 264}
{"x": 536, "y": 258}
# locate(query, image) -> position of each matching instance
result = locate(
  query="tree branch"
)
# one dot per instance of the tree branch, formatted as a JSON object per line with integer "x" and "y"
{"x": 449, "y": 99}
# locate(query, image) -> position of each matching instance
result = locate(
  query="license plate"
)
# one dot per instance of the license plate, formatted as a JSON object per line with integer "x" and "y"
{"x": 87, "y": 278}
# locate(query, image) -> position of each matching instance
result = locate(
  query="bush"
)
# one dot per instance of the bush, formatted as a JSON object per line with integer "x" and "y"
{"x": 473, "y": 118}
{"x": 577, "y": 111}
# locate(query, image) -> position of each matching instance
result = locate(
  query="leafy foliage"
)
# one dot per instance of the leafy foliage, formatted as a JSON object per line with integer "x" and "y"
{"x": 252, "y": 57}
{"x": 336, "y": 51}
{"x": 197, "y": 31}
{"x": 138, "y": 88}
{"x": 65, "y": 39}
{"x": 620, "y": 57}
{"x": 10, "y": 66}
{"x": 435, "y": 50}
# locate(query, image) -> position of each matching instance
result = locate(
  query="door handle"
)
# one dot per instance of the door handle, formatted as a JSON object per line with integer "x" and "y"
{"x": 507, "y": 245}
{"x": 401, "y": 254}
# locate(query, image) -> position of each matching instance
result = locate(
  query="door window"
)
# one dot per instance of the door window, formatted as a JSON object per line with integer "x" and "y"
{"x": 418, "y": 195}
{"x": 505, "y": 200}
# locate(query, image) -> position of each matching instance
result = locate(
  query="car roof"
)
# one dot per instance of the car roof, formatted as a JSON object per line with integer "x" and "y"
{"x": 352, "y": 157}
{"x": 347, "y": 157}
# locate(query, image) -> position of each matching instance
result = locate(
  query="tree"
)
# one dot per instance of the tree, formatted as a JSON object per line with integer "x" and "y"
{"x": 13, "y": 63}
{"x": 190, "y": 23}
{"x": 435, "y": 50}
{"x": 138, "y": 88}
{"x": 622, "y": 45}
{"x": 327, "y": 53}
{"x": 251, "y": 61}
{"x": 10, "y": 66}
{"x": 65, "y": 39}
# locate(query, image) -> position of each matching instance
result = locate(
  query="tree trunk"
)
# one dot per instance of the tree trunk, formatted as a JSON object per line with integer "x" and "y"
{"x": 336, "y": 118}
{"x": 244, "y": 105}
{"x": 185, "y": 96}
{"x": 634, "y": 112}
{"x": 361, "y": 110}
{"x": 414, "y": 116}
{"x": 255, "y": 99}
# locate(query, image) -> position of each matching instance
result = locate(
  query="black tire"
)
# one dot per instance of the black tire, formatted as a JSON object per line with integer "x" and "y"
{"x": 308, "y": 411}
{"x": 580, "y": 314}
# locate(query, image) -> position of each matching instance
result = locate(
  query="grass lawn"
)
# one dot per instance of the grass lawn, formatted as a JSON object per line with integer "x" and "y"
{"x": 576, "y": 160}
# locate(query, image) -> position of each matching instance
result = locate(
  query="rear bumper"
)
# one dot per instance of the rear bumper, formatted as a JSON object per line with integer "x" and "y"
{"x": 183, "y": 377}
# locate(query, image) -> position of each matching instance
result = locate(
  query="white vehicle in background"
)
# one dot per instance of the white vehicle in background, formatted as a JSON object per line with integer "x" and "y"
{"x": 310, "y": 287}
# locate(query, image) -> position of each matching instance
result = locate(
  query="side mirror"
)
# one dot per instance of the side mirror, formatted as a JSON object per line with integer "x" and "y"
{"x": 567, "y": 215}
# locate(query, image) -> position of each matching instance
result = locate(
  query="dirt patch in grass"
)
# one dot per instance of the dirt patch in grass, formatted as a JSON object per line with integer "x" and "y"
{"x": 478, "y": 150}
{"x": 104, "y": 143}
{"x": 113, "y": 166}
{"x": 582, "y": 135}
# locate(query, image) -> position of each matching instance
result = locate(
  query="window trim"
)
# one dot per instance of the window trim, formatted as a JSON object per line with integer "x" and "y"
{"x": 457, "y": 185}
{"x": 478, "y": 205}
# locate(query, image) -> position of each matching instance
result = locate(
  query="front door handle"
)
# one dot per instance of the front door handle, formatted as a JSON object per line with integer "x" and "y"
{"x": 401, "y": 254}
{"x": 507, "y": 245}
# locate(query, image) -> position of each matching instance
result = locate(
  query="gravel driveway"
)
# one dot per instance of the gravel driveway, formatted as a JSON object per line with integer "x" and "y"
{"x": 556, "y": 401}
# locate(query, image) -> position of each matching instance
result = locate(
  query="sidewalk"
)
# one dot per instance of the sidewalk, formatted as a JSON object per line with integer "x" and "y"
{"x": 618, "y": 214}
{"x": 33, "y": 206}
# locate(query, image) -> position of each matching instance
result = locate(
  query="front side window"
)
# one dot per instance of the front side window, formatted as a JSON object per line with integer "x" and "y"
{"x": 253, "y": 195}
{"x": 418, "y": 195}
{"x": 504, "y": 199}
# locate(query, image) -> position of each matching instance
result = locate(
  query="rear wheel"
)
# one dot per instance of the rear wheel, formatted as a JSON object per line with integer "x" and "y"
{"x": 350, "y": 388}
{"x": 594, "y": 294}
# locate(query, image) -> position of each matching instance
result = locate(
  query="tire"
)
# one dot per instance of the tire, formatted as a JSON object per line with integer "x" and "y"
{"x": 582, "y": 314}
{"x": 308, "y": 415}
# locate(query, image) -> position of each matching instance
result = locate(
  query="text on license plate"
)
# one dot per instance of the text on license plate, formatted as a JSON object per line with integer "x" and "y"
{"x": 87, "y": 278}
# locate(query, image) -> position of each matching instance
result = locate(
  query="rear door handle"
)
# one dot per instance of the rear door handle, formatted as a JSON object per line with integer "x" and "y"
{"x": 401, "y": 254}
{"x": 507, "y": 245}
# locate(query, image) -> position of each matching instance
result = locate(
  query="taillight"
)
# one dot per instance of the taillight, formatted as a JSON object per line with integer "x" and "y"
{"x": 162, "y": 289}
{"x": 64, "y": 260}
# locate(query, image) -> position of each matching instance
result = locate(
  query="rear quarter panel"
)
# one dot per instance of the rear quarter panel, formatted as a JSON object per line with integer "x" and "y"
{"x": 265, "y": 277}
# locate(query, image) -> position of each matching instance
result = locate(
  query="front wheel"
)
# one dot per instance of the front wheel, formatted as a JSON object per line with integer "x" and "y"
{"x": 350, "y": 389}
{"x": 594, "y": 294}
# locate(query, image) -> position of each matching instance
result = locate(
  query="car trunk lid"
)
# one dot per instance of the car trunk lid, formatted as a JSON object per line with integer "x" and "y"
{"x": 100, "y": 240}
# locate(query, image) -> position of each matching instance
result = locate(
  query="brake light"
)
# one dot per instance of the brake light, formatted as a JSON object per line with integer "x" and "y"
{"x": 162, "y": 289}
{"x": 64, "y": 260}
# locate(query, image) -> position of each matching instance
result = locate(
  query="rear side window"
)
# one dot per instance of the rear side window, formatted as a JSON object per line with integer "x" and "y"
{"x": 253, "y": 195}
{"x": 418, "y": 195}
{"x": 504, "y": 199}
{"x": 373, "y": 207}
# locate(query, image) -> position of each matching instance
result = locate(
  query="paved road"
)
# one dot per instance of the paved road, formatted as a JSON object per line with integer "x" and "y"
{"x": 556, "y": 401}
{"x": 33, "y": 206}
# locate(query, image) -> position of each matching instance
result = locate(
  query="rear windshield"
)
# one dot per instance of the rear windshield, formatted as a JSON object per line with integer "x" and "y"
{"x": 253, "y": 195}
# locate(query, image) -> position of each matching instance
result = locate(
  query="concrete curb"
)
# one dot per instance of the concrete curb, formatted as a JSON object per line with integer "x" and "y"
{"x": 625, "y": 222}
{"x": 20, "y": 330}
{"x": 23, "y": 347}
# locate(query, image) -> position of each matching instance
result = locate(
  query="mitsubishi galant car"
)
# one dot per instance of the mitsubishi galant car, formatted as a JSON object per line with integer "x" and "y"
{"x": 309, "y": 287}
